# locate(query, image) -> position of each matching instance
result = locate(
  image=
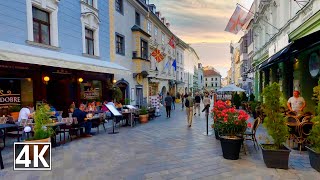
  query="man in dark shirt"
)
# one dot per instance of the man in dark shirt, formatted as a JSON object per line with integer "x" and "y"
{"x": 168, "y": 103}
{"x": 81, "y": 116}
{"x": 197, "y": 100}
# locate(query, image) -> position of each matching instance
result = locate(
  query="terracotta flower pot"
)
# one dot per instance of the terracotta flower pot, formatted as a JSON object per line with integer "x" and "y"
{"x": 15, "y": 115}
{"x": 40, "y": 147}
{"x": 144, "y": 118}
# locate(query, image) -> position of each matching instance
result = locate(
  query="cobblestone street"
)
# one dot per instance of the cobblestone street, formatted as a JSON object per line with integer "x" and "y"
{"x": 161, "y": 149}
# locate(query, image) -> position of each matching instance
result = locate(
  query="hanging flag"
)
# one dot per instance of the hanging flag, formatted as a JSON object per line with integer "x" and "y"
{"x": 157, "y": 55}
{"x": 237, "y": 20}
{"x": 166, "y": 66}
{"x": 174, "y": 64}
{"x": 172, "y": 43}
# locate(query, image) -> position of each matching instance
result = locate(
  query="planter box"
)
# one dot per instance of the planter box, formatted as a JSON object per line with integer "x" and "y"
{"x": 231, "y": 147}
{"x": 216, "y": 134}
{"x": 314, "y": 159}
{"x": 40, "y": 147}
{"x": 275, "y": 158}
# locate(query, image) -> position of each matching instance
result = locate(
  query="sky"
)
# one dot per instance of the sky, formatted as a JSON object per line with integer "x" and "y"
{"x": 201, "y": 24}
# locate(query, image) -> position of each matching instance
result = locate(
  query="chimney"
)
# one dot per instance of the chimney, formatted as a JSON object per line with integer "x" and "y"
{"x": 163, "y": 20}
{"x": 168, "y": 25}
{"x": 158, "y": 14}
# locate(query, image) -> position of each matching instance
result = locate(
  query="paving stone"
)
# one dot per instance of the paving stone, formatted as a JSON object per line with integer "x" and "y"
{"x": 161, "y": 149}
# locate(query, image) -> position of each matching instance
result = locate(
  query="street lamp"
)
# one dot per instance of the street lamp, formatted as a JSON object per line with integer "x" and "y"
{"x": 114, "y": 81}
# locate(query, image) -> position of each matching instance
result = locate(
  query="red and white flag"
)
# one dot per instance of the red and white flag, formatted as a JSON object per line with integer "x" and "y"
{"x": 172, "y": 42}
{"x": 237, "y": 20}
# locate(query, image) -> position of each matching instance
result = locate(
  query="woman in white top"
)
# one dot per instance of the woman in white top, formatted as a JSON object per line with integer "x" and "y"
{"x": 25, "y": 113}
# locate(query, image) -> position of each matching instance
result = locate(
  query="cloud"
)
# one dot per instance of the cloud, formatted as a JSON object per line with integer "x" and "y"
{"x": 201, "y": 23}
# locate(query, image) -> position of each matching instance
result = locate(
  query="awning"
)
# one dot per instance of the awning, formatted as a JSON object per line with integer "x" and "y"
{"x": 274, "y": 58}
{"x": 306, "y": 42}
{"x": 33, "y": 55}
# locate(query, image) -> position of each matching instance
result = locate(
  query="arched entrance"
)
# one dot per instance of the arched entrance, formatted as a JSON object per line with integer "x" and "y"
{"x": 124, "y": 86}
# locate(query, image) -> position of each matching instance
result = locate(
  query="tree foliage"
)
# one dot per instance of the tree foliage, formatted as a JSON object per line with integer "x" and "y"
{"x": 315, "y": 132}
{"x": 42, "y": 118}
{"x": 274, "y": 122}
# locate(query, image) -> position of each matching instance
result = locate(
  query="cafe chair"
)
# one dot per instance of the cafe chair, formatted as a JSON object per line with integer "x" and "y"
{"x": 304, "y": 131}
{"x": 293, "y": 123}
{"x": 18, "y": 131}
{"x": 251, "y": 134}
{"x": 103, "y": 120}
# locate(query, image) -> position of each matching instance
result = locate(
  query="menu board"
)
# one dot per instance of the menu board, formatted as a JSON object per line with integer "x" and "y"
{"x": 113, "y": 110}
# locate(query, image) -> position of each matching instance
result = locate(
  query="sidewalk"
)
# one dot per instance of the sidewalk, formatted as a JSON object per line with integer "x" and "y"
{"x": 161, "y": 149}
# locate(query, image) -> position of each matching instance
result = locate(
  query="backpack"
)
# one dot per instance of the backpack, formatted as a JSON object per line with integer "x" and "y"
{"x": 187, "y": 102}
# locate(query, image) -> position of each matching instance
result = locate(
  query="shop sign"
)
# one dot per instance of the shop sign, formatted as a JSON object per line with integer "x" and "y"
{"x": 91, "y": 94}
{"x": 8, "y": 98}
{"x": 314, "y": 64}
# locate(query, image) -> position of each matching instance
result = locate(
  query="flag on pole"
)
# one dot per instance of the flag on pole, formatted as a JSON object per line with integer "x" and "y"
{"x": 166, "y": 66}
{"x": 174, "y": 64}
{"x": 157, "y": 55}
{"x": 237, "y": 20}
{"x": 171, "y": 42}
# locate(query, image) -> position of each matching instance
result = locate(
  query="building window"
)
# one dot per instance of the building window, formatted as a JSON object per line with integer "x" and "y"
{"x": 119, "y": 6}
{"x": 155, "y": 32}
{"x": 144, "y": 49}
{"x": 211, "y": 79}
{"x": 120, "y": 44}
{"x": 137, "y": 19}
{"x": 89, "y": 42}
{"x": 211, "y": 84}
{"x": 89, "y": 2}
{"x": 149, "y": 27}
{"x": 216, "y": 85}
{"x": 162, "y": 38}
{"x": 206, "y": 79}
{"x": 41, "y": 26}
{"x": 216, "y": 79}
{"x": 206, "y": 85}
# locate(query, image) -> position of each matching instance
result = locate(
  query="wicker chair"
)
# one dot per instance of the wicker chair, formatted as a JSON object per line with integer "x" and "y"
{"x": 293, "y": 123}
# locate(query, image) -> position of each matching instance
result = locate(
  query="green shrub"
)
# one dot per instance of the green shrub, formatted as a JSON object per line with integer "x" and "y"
{"x": 236, "y": 100}
{"x": 274, "y": 121}
{"x": 315, "y": 132}
{"x": 243, "y": 97}
{"x": 143, "y": 111}
{"x": 41, "y": 118}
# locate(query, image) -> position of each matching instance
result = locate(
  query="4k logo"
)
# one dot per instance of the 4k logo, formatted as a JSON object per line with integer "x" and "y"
{"x": 32, "y": 156}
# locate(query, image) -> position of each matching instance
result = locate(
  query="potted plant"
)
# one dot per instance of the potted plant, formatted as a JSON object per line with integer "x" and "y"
{"x": 143, "y": 116}
{"x": 232, "y": 124}
{"x": 14, "y": 112}
{"x": 116, "y": 93}
{"x": 41, "y": 132}
{"x": 314, "y": 138}
{"x": 275, "y": 155}
{"x": 216, "y": 114}
{"x": 127, "y": 101}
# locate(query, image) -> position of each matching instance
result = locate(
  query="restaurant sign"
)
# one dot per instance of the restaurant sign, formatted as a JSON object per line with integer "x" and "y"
{"x": 7, "y": 98}
{"x": 314, "y": 64}
{"x": 94, "y": 94}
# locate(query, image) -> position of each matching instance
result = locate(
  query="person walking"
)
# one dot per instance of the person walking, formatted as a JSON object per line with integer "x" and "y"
{"x": 189, "y": 108}
{"x": 173, "y": 102}
{"x": 197, "y": 100}
{"x": 168, "y": 104}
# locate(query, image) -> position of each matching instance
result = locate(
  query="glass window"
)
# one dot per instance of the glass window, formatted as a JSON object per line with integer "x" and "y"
{"x": 211, "y": 79}
{"x": 137, "y": 19}
{"x": 119, "y": 6}
{"x": 162, "y": 38}
{"x": 41, "y": 26}
{"x": 149, "y": 27}
{"x": 155, "y": 32}
{"x": 144, "y": 49}
{"x": 90, "y": 2}
{"x": 211, "y": 84}
{"x": 216, "y": 84}
{"x": 216, "y": 79}
{"x": 120, "y": 48}
{"x": 89, "y": 42}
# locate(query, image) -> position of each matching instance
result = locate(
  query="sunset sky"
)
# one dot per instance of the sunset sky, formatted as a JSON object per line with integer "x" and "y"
{"x": 201, "y": 23}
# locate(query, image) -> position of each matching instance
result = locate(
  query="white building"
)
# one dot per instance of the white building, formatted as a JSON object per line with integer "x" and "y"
{"x": 212, "y": 79}
{"x": 191, "y": 63}
{"x": 200, "y": 77}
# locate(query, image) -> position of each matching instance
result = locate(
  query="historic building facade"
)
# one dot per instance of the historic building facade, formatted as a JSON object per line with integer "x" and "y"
{"x": 56, "y": 51}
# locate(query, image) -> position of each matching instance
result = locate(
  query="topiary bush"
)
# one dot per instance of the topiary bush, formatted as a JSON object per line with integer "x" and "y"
{"x": 274, "y": 121}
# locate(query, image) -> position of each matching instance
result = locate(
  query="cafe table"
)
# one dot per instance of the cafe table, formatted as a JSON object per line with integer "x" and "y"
{"x": 4, "y": 126}
{"x": 54, "y": 127}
